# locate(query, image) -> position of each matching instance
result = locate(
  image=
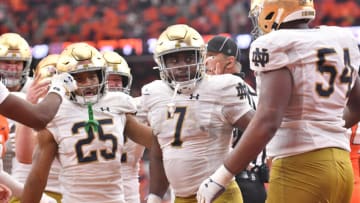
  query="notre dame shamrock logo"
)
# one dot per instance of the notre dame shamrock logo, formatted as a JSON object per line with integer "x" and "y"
{"x": 260, "y": 57}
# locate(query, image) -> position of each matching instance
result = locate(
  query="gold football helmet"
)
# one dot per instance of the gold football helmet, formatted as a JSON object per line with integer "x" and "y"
{"x": 46, "y": 68}
{"x": 270, "y": 14}
{"x": 78, "y": 58}
{"x": 117, "y": 65}
{"x": 13, "y": 47}
{"x": 180, "y": 38}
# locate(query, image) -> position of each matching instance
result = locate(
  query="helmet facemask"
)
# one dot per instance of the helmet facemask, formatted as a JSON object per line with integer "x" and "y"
{"x": 256, "y": 7}
{"x": 185, "y": 76}
{"x": 12, "y": 76}
{"x": 126, "y": 81}
{"x": 89, "y": 94}
{"x": 180, "y": 40}
{"x": 86, "y": 64}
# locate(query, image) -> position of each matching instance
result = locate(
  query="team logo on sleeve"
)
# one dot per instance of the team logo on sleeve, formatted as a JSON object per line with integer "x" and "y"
{"x": 242, "y": 91}
{"x": 260, "y": 57}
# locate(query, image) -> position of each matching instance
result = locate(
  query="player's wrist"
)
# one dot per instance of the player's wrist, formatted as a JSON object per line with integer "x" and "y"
{"x": 222, "y": 176}
{"x": 57, "y": 89}
{"x": 153, "y": 198}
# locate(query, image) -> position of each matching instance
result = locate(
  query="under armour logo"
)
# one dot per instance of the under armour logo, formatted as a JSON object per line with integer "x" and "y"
{"x": 261, "y": 57}
{"x": 194, "y": 97}
{"x": 105, "y": 109}
{"x": 242, "y": 90}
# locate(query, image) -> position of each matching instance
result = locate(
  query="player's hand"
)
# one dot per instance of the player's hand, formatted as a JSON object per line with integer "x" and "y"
{"x": 62, "y": 83}
{"x": 214, "y": 186}
{"x": 38, "y": 88}
{"x": 208, "y": 191}
{"x": 213, "y": 67}
{"x": 47, "y": 199}
{"x": 5, "y": 194}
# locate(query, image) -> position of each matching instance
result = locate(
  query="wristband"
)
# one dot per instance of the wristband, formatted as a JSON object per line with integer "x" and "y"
{"x": 222, "y": 176}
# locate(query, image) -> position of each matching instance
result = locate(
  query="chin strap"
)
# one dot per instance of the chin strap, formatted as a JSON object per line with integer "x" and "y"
{"x": 91, "y": 122}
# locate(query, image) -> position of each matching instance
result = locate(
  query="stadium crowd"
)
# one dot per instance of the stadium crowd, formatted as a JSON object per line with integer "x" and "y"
{"x": 44, "y": 21}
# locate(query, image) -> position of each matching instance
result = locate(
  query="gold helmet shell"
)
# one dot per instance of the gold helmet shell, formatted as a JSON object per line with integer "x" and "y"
{"x": 80, "y": 57}
{"x": 180, "y": 38}
{"x": 117, "y": 65}
{"x": 13, "y": 47}
{"x": 46, "y": 68}
{"x": 272, "y": 13}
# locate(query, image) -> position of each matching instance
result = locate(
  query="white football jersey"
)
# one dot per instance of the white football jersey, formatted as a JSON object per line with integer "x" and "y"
{"x": 130, "y": 165}
{"x": 196, "y": 134}
{"x": 324, "y": 63}
{"x": 91, "y": 160}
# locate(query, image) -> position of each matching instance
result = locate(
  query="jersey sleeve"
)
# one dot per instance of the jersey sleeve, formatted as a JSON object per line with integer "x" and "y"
{"x": 141, "y": 115}
{"x": 266, "y": 56}
{"x": 234, "y": 97}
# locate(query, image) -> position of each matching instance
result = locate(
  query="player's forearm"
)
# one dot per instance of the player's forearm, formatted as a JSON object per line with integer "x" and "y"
{"x": 158, "y": 181}
{"x": 25, "y": 139}
{"x": 33, "y": 190}
{"x": 35, "y": 116}
{"x": 252, "y": 142}
{"x": 47, "y": 109}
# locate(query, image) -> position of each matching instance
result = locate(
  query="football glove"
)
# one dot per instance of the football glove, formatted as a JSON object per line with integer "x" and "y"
{"x": 214, "y": 186}
{"x": 62, "y": 83}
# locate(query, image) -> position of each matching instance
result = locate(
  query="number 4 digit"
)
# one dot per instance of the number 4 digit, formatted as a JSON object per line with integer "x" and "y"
{"x": 346, "y": 76}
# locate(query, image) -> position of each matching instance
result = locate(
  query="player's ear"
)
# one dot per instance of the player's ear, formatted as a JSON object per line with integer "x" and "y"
{"x": 230, "y": 62}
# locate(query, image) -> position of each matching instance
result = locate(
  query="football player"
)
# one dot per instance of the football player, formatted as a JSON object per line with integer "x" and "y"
{"x": 309, "y": 95}
{"x": 119, "y": 78}
{"x": 25, "y": 139}
{"x": 192, "y": 115}
{"x": 86, "y": 134}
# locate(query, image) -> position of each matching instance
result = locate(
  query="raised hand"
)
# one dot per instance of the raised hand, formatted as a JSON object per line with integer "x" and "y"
{"x": 38, "y": 89}
{"x": 62, "y": 83}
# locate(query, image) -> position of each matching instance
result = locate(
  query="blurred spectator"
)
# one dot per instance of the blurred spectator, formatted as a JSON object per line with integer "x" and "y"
{"x": 43, "y": 21}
